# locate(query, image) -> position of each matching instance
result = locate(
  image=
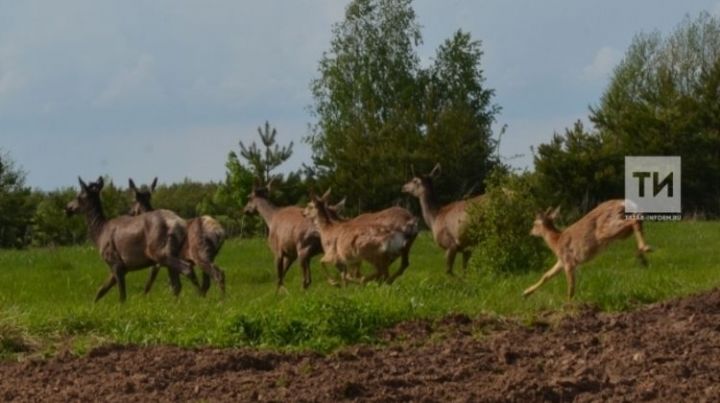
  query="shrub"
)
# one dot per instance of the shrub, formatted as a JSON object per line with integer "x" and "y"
{"x": 500, "y": 226}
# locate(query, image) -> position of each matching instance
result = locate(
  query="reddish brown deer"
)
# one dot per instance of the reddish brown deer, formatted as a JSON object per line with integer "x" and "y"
{"x": 205, "y": 237}
{"x": 129, "y": 243}
{"x": 348, "y": 243}
{"x": 394, "y": 218}
{"x": 448, "y": 222}
{"x": 290, "y": 234}
{"x": 582, "y": 240}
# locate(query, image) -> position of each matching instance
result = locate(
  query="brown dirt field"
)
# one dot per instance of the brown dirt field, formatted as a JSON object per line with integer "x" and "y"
{"x": 664, "y": 352}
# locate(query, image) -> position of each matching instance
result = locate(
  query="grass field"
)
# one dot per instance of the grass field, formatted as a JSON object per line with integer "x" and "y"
{"x": 46, "y": 295}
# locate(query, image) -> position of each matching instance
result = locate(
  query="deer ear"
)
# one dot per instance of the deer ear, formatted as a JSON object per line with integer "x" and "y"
{"x": 153, "y": 185}
{"x": 555, "y": 213}
{"x": 339, "y": 206}
{"x": 256, "y": 183}
{"x": 435, "y": 171}
{"x": 326, "y": 195}
{"x": 101, "y": 182}
{"x": 131, "y": 184}
{"x": 269, "y": 184}
{"x": 83, "y": 185}
{"x": 412, "y": 170}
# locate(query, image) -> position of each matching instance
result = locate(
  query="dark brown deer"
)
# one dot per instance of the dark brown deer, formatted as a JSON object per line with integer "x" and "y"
{"x": 347, "y": 243}
{"x": 290, "y": 234}
{"x": 448, "y": 222}
{"x": 583, "y": 240}
{"x": 129, "y": 243}
{"x": 205, "y": 237}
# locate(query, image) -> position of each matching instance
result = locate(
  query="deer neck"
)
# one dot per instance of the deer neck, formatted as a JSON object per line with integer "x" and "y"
{"x": 552, "y": 239}
{"x": 265, "y": 209}
{"x": 429, "y": 208}
{"x": 95, "y": 219}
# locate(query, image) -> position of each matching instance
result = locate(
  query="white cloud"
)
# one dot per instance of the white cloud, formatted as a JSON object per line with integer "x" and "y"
{"x": 602, "y": 65}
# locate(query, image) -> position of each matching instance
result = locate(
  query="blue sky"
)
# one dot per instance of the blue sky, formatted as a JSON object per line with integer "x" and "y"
{"x": 167, "y": 88}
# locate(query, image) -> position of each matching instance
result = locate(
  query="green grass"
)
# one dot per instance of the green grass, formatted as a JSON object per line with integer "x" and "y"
{"x": 46, "y": 295}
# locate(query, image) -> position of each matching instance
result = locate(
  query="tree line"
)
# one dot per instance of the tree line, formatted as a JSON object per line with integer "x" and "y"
{"x": 378, "y": 114}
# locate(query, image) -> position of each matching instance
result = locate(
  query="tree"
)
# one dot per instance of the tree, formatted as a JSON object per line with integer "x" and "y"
{"x": 662, "y": 100}
{"x": 379, "y": 113}
{"x": 16, "y": 207}
{"x": 263, "y": 161}
{"x": 458, "y": 114}
{"x": 577, "y": 171}
{"x": 366, "y": 102}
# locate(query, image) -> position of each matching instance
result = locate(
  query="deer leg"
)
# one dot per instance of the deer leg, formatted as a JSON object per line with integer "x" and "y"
{"x": 181, "y": 266}
{"x": 120, "y": 276}
{"x": 204, "y": 283}
{"x": 280, "y": 273}
{"x": 175, "y": 283}
{"x": 287, "y": 262}
{"x": 570, "y": 277}
{"x": 305, "y": 264}
{"x": 404, "y": 263}
{"x": 642, "y": 247}
{"x": 109, "y": 283}
{"x": 153, "y": 275}
{"x": 466, "y": 258}
{"x": 450, "y": 260}
{"x": 219, "y": 277}
{"x": 548, "y": 275}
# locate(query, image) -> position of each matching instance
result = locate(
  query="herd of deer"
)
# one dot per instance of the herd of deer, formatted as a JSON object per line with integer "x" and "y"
{"x": 154, "y": 238}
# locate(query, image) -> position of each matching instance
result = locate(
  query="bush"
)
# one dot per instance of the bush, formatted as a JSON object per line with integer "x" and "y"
{"x": 500, "y": 226}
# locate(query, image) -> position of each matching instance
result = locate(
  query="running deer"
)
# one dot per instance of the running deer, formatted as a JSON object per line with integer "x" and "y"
{"x": 128, "y": 243}
{"x": 394, "y": 218}
{"x": 583, "y": 240}
{"x": 290, "y": 234}
{"x": 205, "y": 237}
{"x": 348, "y": 243}
{"x": 448, "y": 222}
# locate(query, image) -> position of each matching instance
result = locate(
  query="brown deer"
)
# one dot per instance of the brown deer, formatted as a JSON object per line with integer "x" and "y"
{"x": 394, "y": 218}
{"x": 348, "y": 243}
{"x": 582, "y": 240}
{"x": 129, "y": 243}
{"x": 448, "y": 222}
{"x": 290, "y": 234}
{"x": 205, "y": 237}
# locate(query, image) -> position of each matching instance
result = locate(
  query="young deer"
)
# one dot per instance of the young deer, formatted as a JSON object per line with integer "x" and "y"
{"x": 205, "y": 237}
{"x": 348, "y": 243}
{"x": 290, "y": 234}
{"x": 448, "y": 223}
{"x": 582, "y": 240}
{"x": 129, "y": 243}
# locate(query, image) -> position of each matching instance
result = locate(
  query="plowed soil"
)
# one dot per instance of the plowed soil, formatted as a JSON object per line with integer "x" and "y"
{"x": 664, "y": 352}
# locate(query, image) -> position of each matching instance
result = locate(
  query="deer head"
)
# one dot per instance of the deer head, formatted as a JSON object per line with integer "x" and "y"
{"x": 88, "y": 197}
{"x": 143, "y": 197}
{"x": 544, "y": 221}
{"x": 418, "y": 186}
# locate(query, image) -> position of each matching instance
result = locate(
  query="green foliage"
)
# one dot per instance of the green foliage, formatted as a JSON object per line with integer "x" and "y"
{"x": 378, "y": 112}
{"x": 457, "y": 117}
{"x": 51, "y": 226}
{"x": 16, "y": 204}
{"x": 577, "y": 171}
{"x": 662, "y": 99}
{"x": 501, "y": 224}
{"x": 264, "y": 161}
{"x": 188, "y": 198}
